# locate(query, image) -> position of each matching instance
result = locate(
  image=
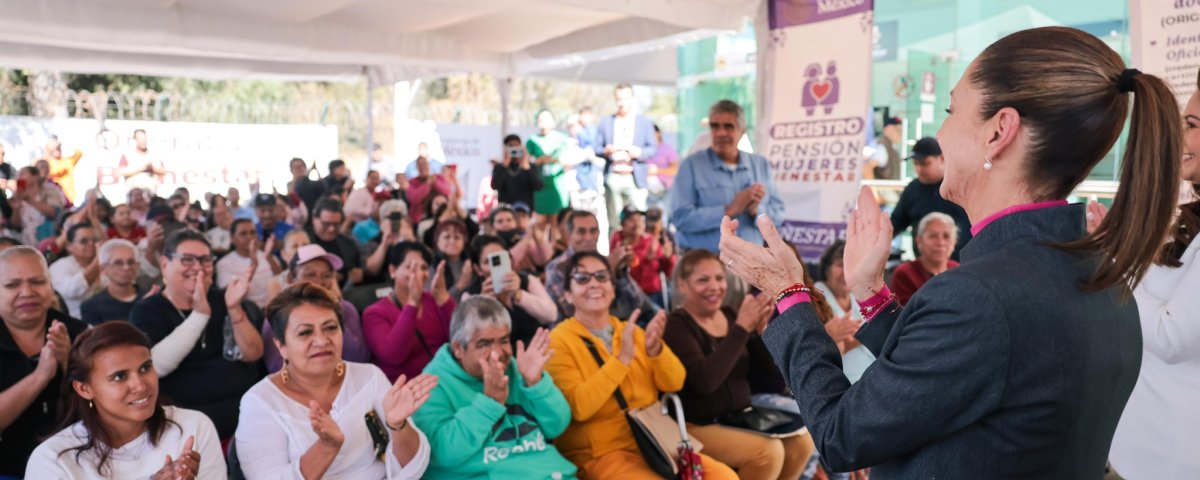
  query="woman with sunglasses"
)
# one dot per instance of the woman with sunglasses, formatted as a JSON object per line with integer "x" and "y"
{"x": 206, "y": 340}
{"x": 114, "y": 423}
{"x": 633, "y": 363}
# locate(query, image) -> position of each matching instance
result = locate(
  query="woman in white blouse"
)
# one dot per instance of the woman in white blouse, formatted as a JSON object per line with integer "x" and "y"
{"x": 1156, "y": 435}
{"x": 846, "y": 317}
{"x": 320, "y": 417}
{"x": 115, "y": 423}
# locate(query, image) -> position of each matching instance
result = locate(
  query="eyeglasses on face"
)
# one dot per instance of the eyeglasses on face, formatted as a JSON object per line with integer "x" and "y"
{"x": 584, "y": 278}
{"x": 189, "y": 260}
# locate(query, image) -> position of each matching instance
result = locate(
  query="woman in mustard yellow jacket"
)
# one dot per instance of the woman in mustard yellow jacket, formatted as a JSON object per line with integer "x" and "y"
{"x": 637, "y": 362}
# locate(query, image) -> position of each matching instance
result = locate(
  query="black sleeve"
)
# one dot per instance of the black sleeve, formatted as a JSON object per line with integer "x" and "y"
{"x": 151, "y": 320}
{"x": 5, "y": 208}
{"x": 499, "y": 176}
{"x": 535, "y": 179}
{"x": 900, "y": 218}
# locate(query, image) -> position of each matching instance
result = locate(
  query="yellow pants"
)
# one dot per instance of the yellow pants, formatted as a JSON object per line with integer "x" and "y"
{"x": 629, "y": 465}
{"x": 755, "y": 457}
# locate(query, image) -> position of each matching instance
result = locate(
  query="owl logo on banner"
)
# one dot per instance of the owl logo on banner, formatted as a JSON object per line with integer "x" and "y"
{"x": 818, "y": 91}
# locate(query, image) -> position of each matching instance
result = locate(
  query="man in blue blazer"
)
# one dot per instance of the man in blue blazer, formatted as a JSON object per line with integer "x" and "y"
{"x": 623, "y": 140}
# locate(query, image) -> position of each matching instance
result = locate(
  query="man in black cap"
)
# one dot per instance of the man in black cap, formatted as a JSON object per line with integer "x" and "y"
{"x": 269, "y": 222}
{"x": 922, "y": 196}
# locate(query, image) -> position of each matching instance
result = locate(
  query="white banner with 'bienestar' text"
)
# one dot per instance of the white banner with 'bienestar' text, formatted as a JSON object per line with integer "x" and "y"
{"x": 813, "y": 126}
{"x": 202, "y": 157}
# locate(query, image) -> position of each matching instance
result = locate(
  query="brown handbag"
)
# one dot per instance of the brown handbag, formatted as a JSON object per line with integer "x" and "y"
{"x": 657, "y": 434}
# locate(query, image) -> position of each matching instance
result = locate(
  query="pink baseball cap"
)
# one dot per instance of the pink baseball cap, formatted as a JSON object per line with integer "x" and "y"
{"x": 310, "y": 252}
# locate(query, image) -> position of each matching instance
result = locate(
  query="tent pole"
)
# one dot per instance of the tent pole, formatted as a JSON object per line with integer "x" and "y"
{"x": 370, "y": 121}
{"x": 504, "y": 85}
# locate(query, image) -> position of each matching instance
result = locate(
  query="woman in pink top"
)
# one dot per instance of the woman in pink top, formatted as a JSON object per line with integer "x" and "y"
{"x": 405, "y": 328}
{"x": 426, "y": 183}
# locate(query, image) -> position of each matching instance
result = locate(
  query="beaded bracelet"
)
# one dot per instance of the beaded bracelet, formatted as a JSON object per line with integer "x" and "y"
{"x": 881, "y": 299}
{"x": 795, "y": 288}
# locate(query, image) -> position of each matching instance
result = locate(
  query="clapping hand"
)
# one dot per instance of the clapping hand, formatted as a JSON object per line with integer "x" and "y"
{"x": 438, "y": 286}
{"x": 237, "y": 288}
{"x": 628, "y": 350}
{"x": 531, "y": 361}
{"x": 200, "y": 295}
{"x": 495, "y": 381}
{"x": 754, "y": 313}
{"x": 184, "y": 468}
{"x": 868, "y": 246}
{"x": 1096, "y": 212}
{"x": 328, "y": 432}
{"x": 405, "y": 397}
{"x": 53, "y": 356}
{"x": 841, "y": 330}
{"x": 654, "y": 332}
{"x": 772, "y": 268}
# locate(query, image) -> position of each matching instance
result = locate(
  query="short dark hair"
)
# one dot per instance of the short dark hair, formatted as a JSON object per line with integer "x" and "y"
{"x": 140, "y": 130}
{"x": 498, "y": 210}
{"x": 831, "y": 254}
{"x": 297, "y": 159}
{"x": 574, "y": 216}
{"x": 512, "y": 137}
{"x": 480, "y": 242}
{"x": 73, "y": 232}
{"x": 183, "y": 235}
{"x": 572, "y": 263}
{"x": 238, "y": 221}
{"x": 400, "y": 251}
{"x": 334, "y": 164}
{"x": 32, "y": 171}
{"x": 623, "y": 86}
{"x": 280, "y": 309}
{"x": 327, "y": 205}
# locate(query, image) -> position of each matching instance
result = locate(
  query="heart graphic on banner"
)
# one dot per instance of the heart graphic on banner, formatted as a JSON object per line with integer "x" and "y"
{"x": 820, "y": 90}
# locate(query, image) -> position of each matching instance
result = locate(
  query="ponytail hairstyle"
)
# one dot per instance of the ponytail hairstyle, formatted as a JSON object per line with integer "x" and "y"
{"x": 1187, "y": 226}
{"x": 1071, "y": 90}
{"x": 74, "y": 408}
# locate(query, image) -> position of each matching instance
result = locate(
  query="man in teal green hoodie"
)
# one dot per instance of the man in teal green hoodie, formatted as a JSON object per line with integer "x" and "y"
{"x": 492, "y": 416}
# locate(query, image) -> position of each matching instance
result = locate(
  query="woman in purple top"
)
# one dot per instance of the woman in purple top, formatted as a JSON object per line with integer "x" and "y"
{"x": 313, "y": 264}
{"x": 405, "y": 328}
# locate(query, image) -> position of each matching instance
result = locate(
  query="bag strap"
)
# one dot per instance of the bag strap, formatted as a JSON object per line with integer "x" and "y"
{"x": 596, "y": 355}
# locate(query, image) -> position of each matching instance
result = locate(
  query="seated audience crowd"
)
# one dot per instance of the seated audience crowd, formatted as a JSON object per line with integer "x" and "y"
{"x": 386, "y": 331}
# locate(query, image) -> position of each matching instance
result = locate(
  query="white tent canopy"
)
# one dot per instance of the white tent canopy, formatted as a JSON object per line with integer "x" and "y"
{"x": 387, "y": 40}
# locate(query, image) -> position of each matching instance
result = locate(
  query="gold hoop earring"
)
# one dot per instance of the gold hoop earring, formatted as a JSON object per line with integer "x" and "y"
{"x": 283, "y": 373}
{"x": 341, "y": 369}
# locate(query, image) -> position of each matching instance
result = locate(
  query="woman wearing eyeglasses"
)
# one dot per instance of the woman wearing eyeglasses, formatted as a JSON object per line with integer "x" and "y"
{"x": 206, "y": 340}
{"x": 636, "y": 364}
